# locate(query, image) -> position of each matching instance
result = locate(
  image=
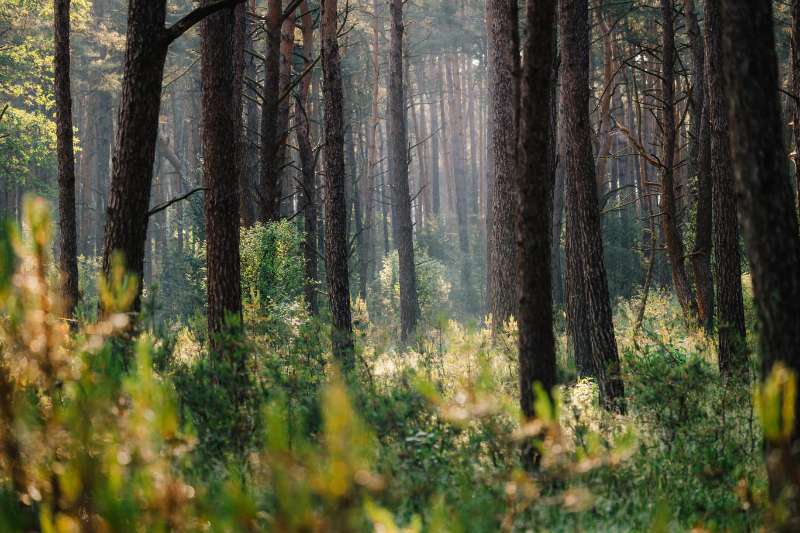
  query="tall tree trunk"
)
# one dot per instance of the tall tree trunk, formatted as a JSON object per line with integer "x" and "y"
{"x": 398, "y": 169}
{"x": 669, "y": 215}
{"x": 535, "y": 179}
{"x": 269, "y": 189}
{"x": 584, "y": 246}
{"x": 68, "y": 238}
{"x": 369, "y": 265}
{"x": 336, "y": 245}
{"x": 502, "y": 22}
{"x": 426, "y": 193}
{"x": 221, "y": 121}
{"x": 249, "y": 176}
{"x": 459, "y": 182}
{"x": 132, "y": 175}
{"x": 730, "y": 307}
{"x": 767, "y": 212}
{"x": 699, "y": 166}
{"x": 435, "y": 160}
{"x": 604, "y": 130}
{"x": 795, "y": 78}
{"x": 308, "y": 166}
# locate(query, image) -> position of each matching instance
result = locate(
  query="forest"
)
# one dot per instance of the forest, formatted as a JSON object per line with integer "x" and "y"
{"x": 399, "y": 266}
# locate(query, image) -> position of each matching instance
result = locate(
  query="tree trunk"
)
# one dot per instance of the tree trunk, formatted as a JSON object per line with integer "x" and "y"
{"x": 459, "y": 182}
{"x": 308, "y": 166}
{"x": 68, "y": 238}
{"x": 592, "y": 318}
{"x": 767, "y": 211}
{"x": 535, "y": 180}
{"x": 249, "y": 175}
{"x": 699, "y": 166}
{"x": 132, "y": 175}
{"x": 270, "y": 164}
{"x": 221, "y": 121}
{"x": 502, "y": 22}
{"x": 369, "y": 265}
{"x": 730, "y": 307}
{"x": 398, "y": 169}
{"x": 795, "y": 78}
{"x": 669, "y": 216}
{"x": 336, "y": 245}
{"x": 435, "y": 160}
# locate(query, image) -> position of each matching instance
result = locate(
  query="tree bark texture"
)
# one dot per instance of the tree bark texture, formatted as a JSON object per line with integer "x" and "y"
{"x": 699, "y": 166}
{"x": 669, "y": 216}
{"x": 336, "y": 245}
{"x": 590, "y": 308}
{"x": 398, "y": 170}
{"x": 727, "y": 259}
{"x": 68, "y": 238}
{"x": 535, "y": 180}
{"x": 503, "y": 70}
{"x": 221, "y": 125}
{"x": 766, "y": 208}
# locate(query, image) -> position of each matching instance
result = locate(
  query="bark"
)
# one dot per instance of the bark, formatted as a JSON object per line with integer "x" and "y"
{"x": 459, "y": 182}
{"x": 427, "y": 191}
{"x": 308, "y": 166}
{"x": 436, "y": 201}
{"x": 795, "y": 79}
{"x": 68, "y": 238}
{"x": 669, "y": 215}
{"x": 767, "y": 212}
{"x": 503, "y": 70}
{"x": 418, "y": 188}
{"x": 132, "y": 174}
{"x": 699, "y": 166}
{"x": 398, "y": 171}
{"x": 336, "y": 245}
{"x": 592, "y": 319}
{"x": 535, "y": 180}
{"x": 249, "y": 176}
{"x": 368, "y": 266}
{"x": 220, "y": 173}
{"x": 730, "y": 307}
{"x": 270, "y": 163}
{"x": 604, "y": 131}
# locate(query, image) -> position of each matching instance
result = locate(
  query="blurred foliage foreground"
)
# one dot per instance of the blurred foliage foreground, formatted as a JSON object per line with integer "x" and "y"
{"x": 109, "y": 426}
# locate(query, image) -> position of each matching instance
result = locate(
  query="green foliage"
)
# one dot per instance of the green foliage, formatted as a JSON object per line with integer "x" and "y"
{"x": 273, "y": 273}
{"x": 110, "y": 430}
{"x": 433, "y": 289}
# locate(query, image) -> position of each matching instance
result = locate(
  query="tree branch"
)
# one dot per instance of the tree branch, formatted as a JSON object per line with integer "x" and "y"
{"x": 193, "y": 17}
{"x": 165, "y": 205}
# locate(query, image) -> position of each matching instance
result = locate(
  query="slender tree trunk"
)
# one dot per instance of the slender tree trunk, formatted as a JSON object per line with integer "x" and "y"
{"x": 730, "y": 307}
{"x": 459, "y": 182}
{"x": 669, "y": 215}
{"x": 336, "y": 245}
{"x": 308, "y": 166}
{"x": 604, "y": 131}
{"x": 369, "y": 264}
{"x": 435, "y": 160}
{"x": 593, "y": 319}
{"x": 68, "y": 238}
{"x": 502, "y": 22}
{"x": 699, "y": 166}
{"x": 767, "y": 212}
{"x": 270, "y": 163}
{"x": 795, "y": 78}
{"x": 249, "y": 176}
{"x": 535, "y": 179}
{"x": 398, "y": 169}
